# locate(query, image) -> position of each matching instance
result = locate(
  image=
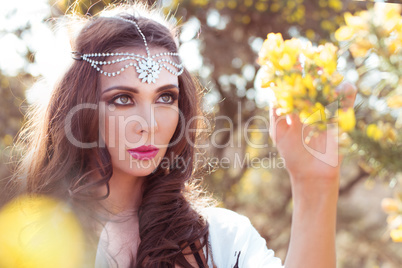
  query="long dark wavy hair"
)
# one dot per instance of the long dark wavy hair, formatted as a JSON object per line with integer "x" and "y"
{"x": 169, "y": 220}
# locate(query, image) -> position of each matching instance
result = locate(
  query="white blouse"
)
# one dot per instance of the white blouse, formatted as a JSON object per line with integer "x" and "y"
{"x": 233, "y": 241}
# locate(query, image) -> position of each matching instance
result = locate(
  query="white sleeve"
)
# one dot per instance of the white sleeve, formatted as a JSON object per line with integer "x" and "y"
{"x": 234, "y": 240}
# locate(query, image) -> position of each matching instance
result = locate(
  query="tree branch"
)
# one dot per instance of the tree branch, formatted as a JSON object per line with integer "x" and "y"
{"x": 346, "y": 189}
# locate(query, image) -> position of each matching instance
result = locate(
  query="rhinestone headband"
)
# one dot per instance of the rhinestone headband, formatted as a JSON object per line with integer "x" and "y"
{"x": 148, "y": 67}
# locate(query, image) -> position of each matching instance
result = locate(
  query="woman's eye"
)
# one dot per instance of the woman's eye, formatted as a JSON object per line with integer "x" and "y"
{"x": 166, "y": 98}
{"x": 122, "y": 100}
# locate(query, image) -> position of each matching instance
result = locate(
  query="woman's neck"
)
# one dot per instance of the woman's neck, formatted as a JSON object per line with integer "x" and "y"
{"x": 125, "y": 193}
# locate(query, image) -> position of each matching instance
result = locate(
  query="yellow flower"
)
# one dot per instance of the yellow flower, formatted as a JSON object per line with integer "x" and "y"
{"x": 272, "y": 49}
{"x": 344, "y": 33}
{"x": 298, "y": 88}
{"x": 301, "y": 104}
{"x": 336, "y": 79}
{"x": 395, "y": 101}
{"x": 357, "y": 50}
{"x": 316, "y": 114}
{"x": 389, "y": 205}
{"x": 308, "y": 50}
{"x": 358, "y": 22}
{"x": 266, "y": 80}
{"x": 293, "y": 83}
{"x": 292, "y": 47}
{"x": 396, "y": 235}
{"x": 286, "y": 62}
{"x": 310, "y": 84}
{"x": 284, "y": 99}
{"x": 275, "y": 38}
{"x": 387, "y": 17}
{"x": 286, "y": 104}
{"x": 363, "y": 43}
{"x": 391, "y": 11}
{"x": 391, "y": 25}
{"x": 346, "y": 119}
{"x": 398, "y": 27}
{"x": 327, "y": 57}
{"x": 308, "y": 81}
{"x": 374, "y": 132}
{"x": 326, "y": 90}
{"x": 394, "y": 45}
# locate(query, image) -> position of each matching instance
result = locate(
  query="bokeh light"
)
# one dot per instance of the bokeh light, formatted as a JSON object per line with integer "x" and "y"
{"x": 40, "y": 232}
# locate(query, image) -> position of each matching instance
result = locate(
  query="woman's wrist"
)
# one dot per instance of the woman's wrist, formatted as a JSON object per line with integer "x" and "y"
{"x": 312, "y": 191}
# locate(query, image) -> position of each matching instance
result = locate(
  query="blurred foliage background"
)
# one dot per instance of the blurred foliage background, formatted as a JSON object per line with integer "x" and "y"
{"x": 223, "y": 38}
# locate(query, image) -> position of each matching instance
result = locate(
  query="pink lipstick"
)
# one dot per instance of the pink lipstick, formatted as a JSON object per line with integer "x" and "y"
{"x": 144, "y": 152}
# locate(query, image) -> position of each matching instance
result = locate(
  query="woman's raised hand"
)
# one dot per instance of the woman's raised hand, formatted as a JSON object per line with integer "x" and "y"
{"x": 314, "y": 158}
{"x": 313, "y": 163}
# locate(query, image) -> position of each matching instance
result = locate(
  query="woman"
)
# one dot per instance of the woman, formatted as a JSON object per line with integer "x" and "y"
{"x": 112, "y": 138}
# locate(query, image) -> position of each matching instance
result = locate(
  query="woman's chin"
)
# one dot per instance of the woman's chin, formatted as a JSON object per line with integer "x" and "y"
{"x": 138, "y": 172}
{"x": 138, "y": 167}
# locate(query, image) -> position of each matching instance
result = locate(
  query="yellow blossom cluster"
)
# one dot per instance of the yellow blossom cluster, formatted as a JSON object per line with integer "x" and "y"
{"x": 393, "y": 207}
{"x": 384, "y": 133}
{"x": 365, "y": 28}
{"x": 378, "y": 30}
{"x": 303, "y": 79}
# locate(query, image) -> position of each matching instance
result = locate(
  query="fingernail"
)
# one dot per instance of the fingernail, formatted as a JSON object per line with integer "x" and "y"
{"x": 288, "y": 120}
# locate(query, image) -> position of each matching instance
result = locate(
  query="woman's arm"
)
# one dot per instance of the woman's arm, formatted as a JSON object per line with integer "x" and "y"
{"x": 313, "y": 228}
{"x": 314, "y": 173}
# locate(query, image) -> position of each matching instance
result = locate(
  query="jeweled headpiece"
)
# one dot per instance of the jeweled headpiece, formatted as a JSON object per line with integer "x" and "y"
{"x": 148, "y": 67}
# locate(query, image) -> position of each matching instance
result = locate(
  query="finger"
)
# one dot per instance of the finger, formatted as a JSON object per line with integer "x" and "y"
{"x": 293, "y": 120}
{"x": 278, "y": 126}
{"x": 299, "y": 128}
{"x": 347, "y": 92}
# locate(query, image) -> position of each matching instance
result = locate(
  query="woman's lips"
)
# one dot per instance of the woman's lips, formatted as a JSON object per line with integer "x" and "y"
{"x": 143, "y": 152}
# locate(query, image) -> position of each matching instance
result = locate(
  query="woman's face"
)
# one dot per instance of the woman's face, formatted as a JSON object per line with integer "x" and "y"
{"x": 139, "y": 118}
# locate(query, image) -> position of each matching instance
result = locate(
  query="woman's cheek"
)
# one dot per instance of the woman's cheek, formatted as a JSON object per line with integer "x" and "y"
{"x": 167, "y": 120}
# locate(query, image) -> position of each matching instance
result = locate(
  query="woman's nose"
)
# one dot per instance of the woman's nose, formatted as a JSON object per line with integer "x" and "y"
{"x": 148, "y": 124}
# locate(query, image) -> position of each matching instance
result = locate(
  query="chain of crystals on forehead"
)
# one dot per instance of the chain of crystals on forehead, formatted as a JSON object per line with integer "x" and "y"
{"x": 148, "y": 67}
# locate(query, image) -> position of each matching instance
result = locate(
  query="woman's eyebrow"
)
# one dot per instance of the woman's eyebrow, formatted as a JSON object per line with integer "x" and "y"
{"x": 135, "y": 90}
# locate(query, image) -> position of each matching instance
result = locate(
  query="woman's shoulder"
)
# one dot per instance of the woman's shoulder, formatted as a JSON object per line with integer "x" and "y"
{"x": 227, "y": 225}
{"x": 235, "y": 241}
{"x": 222, "y": 217}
